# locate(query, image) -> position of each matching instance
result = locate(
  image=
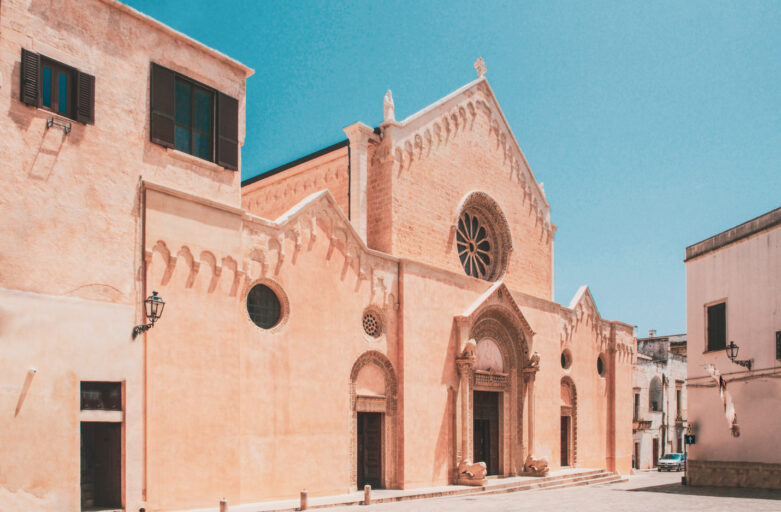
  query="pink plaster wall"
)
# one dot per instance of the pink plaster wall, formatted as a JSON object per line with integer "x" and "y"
{"x": 72, "y": 246}
{"x": 748, "y": 275}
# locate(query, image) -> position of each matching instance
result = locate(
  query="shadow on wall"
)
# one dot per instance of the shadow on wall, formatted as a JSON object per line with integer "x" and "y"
{"x": 720, "y": 492}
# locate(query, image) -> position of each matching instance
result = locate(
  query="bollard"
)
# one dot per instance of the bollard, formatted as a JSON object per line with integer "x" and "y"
{"x": 304, "y": 500}
{"x": 224, "y": 505}
{"x": 367, "y": 494}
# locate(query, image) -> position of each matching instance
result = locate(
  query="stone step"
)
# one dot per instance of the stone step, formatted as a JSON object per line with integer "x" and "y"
{"x": 609, "y": 479}
{"x": 555, "y": 482}
{"x": 554, "y": 478}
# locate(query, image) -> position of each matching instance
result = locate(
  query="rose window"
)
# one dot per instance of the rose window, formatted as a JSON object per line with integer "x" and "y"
{"x": 371, "y": 324}
{"x": 475, "y": 243}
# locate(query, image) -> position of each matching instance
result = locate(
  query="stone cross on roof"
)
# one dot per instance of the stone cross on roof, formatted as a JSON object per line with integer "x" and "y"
{"x": 480, "y": 67}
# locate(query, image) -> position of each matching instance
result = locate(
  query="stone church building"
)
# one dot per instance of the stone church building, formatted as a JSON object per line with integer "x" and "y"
{"x": 377, "y": 312}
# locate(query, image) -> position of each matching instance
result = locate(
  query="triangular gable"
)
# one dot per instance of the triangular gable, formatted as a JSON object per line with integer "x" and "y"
{"x": 416, "y": 128}
{"x": 497, "y": 294}
{"x": 584, "y": 300}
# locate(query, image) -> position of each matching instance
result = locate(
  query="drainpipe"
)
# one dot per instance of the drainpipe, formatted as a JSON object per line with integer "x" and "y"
{"x": 400, "y": 372}
{"x": 142, "y": 278}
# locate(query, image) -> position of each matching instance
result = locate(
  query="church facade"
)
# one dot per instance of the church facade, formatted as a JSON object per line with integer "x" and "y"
{"x": 380, "y": 312}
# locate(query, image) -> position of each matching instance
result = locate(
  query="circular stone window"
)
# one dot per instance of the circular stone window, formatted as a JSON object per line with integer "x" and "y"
{"x": 263, "y": 306}
{"x": 566, "y": 359}
{"x": 475, "y": 245}
{"x": 482, "y": 239}
{"x": 601, "y": 365}
{"x": 372, "y": 324}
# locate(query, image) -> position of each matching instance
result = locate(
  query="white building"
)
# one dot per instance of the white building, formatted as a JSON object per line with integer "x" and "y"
{"x": 659, "y": 404}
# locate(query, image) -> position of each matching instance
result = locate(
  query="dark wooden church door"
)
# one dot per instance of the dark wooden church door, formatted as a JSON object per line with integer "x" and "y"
{"x": 370, "y": 449}
{"x": 485, "y": 434}
{"x": 565, "y": 421}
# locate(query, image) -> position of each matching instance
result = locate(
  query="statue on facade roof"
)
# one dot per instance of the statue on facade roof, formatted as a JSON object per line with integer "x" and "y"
{"x": 388, "y": 108}
{"x": 480, "y": 67}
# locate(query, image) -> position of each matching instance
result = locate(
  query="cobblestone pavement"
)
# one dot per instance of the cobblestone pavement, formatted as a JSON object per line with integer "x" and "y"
{"x": 646, "y": 491}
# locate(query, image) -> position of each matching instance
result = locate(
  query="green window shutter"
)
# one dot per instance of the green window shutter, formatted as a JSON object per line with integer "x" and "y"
{"x": 162, "y": 106}
{"x": 30, "y": 82}
{"x": 227, "y": 131}
{"x": 85, "y": 98}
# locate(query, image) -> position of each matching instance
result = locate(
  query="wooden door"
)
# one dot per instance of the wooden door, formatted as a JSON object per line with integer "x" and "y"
{"x": 370, "y": 449}
{"x": 565, "y": 422}
{"x": 485, "y": 432}
{"x": 101, "y": 465}
{"x": 636, "y": 460}
{"x": 655, "y": 454}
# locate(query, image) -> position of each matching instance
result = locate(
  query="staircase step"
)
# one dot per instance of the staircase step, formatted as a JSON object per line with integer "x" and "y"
{"x": 558, "y": 482}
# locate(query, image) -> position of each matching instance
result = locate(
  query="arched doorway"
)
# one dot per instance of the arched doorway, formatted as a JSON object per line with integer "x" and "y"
{"x": 494, "y": 376}
{"x": 373, "y": 422}
{"x": 569, "y": 422}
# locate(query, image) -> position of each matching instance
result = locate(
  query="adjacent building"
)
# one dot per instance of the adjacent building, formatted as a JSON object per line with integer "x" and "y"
{"x": 378, "y": 312}
{"x": 733, "y": 308}
{"x": 659, "y": 404}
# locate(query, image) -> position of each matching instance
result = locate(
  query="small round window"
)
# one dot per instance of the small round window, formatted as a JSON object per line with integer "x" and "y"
{"x": 263, "y": 306}
{"x": 372, "y": 325}
{"x": 566, "y": 359}
{"x": 601, "y": 365}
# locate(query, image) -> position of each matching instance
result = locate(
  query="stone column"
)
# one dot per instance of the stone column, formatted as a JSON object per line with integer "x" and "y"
{"x": 464, "y": 411}
{"x": 359, "y": 135}
{"x": 529, "y": 374}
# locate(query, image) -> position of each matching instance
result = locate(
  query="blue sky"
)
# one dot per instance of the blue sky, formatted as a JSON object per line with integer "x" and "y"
{"x": 653, "y": 125}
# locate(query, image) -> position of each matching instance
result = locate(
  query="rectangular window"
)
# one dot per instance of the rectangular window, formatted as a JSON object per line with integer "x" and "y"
{"x": 193, "y": 118}
{"x": 717, "y": 326}
{"x": 678, "y": 409}
{"x": 101, "y": 396}
{"x": 636, "y": 414}
{"x": 194, "y": 107}
{"x": 54, "y": 86}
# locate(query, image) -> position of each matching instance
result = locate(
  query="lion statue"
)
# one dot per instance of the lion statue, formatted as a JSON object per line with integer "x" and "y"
{"x": 472, "y": 471}
{"x": 536, "y": 467}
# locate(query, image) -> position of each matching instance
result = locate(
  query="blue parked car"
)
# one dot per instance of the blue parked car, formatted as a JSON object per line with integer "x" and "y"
{"x": 672, "y": 462}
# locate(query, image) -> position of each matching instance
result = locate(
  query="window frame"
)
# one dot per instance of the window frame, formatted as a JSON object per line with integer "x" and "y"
{"x": 660, "y": 396}
{"x": 58, "y": 67}
{"x": 225, "y": 149}
{"x": 193, "y": 84}
{"x": 707, "y": 325}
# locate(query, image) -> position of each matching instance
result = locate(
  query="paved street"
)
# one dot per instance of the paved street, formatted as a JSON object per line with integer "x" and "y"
{"x": 646, "y": 491}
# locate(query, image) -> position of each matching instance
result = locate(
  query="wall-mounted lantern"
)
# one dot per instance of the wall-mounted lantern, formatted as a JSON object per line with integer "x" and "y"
{"x": 732, "y": 353}
{"x": 153, "y": 308}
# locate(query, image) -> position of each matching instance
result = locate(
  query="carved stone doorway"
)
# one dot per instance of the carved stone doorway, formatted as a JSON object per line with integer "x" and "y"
{"x": 369, "y": 463}
{"x": 487, "y": 430}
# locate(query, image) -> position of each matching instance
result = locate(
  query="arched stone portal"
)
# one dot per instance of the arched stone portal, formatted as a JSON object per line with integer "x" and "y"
{"x": 496, "y": 375}
{"x": 373, "y": 396}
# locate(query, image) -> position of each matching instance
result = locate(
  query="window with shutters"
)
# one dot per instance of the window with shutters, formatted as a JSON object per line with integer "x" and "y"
{"x": 193, "y": 118}
{"x": 54, "y": 86}
{"x": 716, "y": 319}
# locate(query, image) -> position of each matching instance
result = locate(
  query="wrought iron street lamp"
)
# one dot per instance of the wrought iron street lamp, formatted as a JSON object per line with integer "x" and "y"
{"x": 153, "y": 308}
{"x": 732, "y": 353}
